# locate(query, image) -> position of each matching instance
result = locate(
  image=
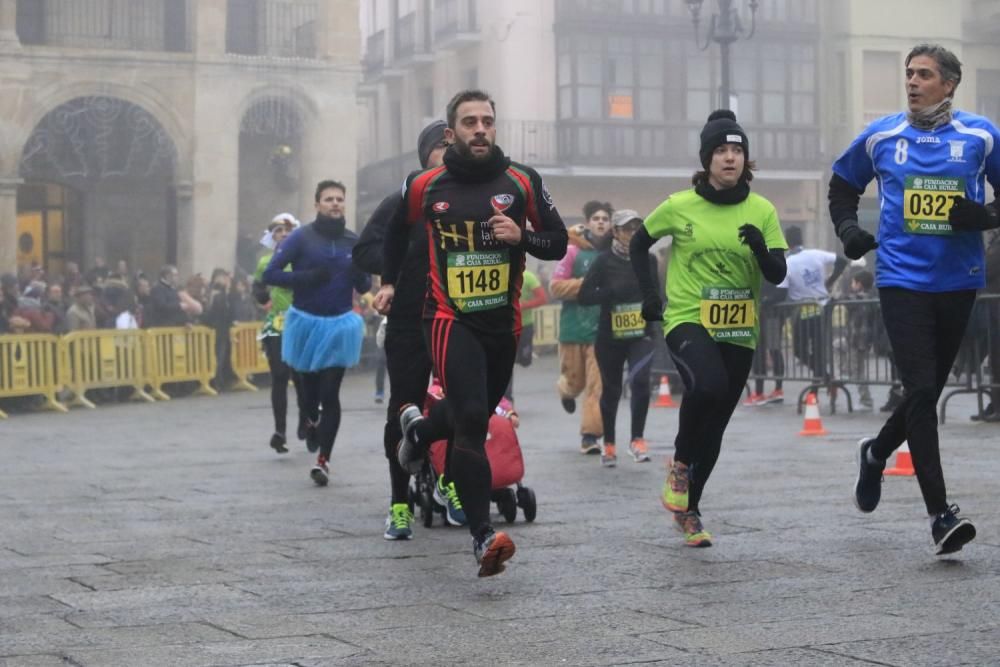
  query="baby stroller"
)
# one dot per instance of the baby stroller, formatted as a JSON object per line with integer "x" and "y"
{"x": 504, "y": 453}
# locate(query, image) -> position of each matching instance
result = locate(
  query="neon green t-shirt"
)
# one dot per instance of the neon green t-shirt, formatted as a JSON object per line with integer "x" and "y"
{"x": 713, "y": 279}
{"x": 281, "y": 299}
{"x": 528, "y": 286}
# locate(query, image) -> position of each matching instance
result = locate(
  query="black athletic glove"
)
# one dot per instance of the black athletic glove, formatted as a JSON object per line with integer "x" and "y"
{"x": 856, "y": 241}
{"x": 260, "y": 292}
{"x": 968, "y": 216}
{"x": 318, "y": 276}
{"x": 753, "y": 237}
{"x": 652, "y": 308}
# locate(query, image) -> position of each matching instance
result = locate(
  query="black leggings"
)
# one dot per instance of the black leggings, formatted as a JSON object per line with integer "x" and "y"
{"x": 474, "y": 368}
{"x": 409, "y": 368}
{"x": 280, "y": 374}
{"x": 611, "y": 357}
{"x": 322, "y": 388}
{"x": 925, "y": 330}
{"x": 714, "y": 375}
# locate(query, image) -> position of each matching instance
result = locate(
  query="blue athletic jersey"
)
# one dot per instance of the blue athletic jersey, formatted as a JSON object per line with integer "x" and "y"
{"x": 919, "y": 173}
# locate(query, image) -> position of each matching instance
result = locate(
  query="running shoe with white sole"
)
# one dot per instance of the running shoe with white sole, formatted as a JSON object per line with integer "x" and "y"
{"x": 639, "y": 450}
{"x": 398, "y": 523}
{"x": 320, "y": 472}
{"x": 447, "y": 496}
{"x": 410, "y": 453}
{"x": 951, "y": 532}
{"x": 609, "y": 456}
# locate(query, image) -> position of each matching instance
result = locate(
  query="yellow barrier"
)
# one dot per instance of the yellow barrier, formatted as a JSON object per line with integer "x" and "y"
{"x": 546, "y": 325}
{"x": 247, "y": 355}
{"x": 181, "y": 354}
{"x": 28, "y": 368}
{"x": 104, "y": 358}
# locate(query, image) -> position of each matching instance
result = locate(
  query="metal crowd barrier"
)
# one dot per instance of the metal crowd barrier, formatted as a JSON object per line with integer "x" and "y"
{"x": 843, "y": 344}
{"x": 28, "y": 368}
{"x": 248, "y": 356}
{"x": 181, "y": 354}
{"x": 546, "y": 326}
{"x": 103, "y": 359}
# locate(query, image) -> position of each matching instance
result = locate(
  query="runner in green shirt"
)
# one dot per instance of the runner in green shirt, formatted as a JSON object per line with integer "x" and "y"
{"x": 725, "y": 238}
{"x": 270, "y": 336}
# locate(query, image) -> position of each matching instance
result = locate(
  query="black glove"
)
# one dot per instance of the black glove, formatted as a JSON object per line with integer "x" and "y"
{"x": 260, "y": 292}
{"x": 968, "y": 216}
{"x": 318, "y": 276}
{"x": 856, "y": 241}
{"x": 652, "y": 308}
{"x": 753, "y": 237}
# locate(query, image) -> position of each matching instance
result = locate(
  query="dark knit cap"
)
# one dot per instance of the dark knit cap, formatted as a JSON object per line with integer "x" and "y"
{"x": 430, "y": 137}
{"x": 721, "y": 128}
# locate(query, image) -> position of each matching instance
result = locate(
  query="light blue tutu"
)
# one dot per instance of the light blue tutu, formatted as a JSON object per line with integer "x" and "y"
{"x": 311, "y": 343}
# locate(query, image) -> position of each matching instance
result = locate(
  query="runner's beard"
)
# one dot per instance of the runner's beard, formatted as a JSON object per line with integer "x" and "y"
{"x": 465, "y": 150}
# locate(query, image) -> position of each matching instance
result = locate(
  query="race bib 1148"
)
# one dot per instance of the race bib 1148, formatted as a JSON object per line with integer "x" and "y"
{"x": 479, "y": 280}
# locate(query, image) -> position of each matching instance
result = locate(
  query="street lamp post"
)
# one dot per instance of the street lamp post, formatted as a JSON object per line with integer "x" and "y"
{"x": 724, "y": 29}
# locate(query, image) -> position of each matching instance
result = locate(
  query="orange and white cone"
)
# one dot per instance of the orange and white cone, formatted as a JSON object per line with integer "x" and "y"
{"x": 663, "y": 397}
{"x": 904, "y": 462}
{"x": 813, "y": 424}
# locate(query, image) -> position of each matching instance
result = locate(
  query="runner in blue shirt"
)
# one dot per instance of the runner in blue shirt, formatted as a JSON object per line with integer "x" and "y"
{"x": 931, "y": 163}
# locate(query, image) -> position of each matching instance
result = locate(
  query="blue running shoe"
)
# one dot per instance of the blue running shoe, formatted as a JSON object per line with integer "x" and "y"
{"x": 446, "y": 495}
{"x": 398, "y": 523}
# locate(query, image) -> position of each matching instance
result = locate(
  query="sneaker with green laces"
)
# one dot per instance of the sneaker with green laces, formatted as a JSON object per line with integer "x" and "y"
{"x": 447, "y": 496}
{"x": 695, "y": 534}
{"x": 397, "y": 524}
{"x": 675, "y": 488}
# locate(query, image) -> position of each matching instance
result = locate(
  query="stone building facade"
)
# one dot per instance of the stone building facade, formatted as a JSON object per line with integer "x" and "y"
{"x": 169, "y": 130}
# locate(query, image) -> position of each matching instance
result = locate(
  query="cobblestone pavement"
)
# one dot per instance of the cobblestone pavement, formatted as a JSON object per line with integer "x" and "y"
{"x": 170, "y": 534}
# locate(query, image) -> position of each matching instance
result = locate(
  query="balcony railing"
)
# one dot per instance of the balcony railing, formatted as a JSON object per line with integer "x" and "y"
{"x": 137, "y": 25}
{"x": 576, "y": 143}
{"x": 454, "y": 17}
{"x": 590, "y": 143}
{"x": 406, "y": 35}
{"x": 374, "y": 59}
{"x": 276, "y": 28}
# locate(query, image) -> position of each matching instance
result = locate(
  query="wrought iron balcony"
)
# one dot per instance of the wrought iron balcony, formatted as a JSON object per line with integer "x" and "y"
{"x": 455, "y": 20}
{"x": 276, "y": 28}
{"x": 138, "y": 25}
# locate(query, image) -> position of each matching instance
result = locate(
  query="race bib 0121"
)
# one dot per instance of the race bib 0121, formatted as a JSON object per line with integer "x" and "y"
{"x": 728, "y": 313}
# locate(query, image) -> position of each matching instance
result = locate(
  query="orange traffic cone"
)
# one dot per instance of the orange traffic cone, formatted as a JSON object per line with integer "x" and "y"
{"x": 812, "y": 425}
{"x": 904, "y": 462}
{"x": 663, "y": 398}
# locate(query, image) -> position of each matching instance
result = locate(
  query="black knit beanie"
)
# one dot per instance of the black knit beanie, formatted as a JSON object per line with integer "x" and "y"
{"x": 429, "y": 138}
{"x": 721, "y": 128}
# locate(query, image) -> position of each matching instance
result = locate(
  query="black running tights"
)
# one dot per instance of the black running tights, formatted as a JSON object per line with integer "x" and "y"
{"x": 322, "y": 388}
{"x": 611, "y": 357}
{"x": 714, "y": 375}
{"x": 474, "y": 368}
{"x": 409, "y": 368}
{"x": 280, "y": 374}
{"x": 925, "y": 330}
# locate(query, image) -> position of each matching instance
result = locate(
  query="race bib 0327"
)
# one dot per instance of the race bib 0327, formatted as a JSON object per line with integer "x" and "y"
{"x": 927, "y": 201}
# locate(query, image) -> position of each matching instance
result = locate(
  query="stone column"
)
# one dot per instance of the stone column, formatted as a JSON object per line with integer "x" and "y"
{"x": 209, "y": 27}
{"x": 8, "y": 223}
{"x": 8, "y": 26}
{"x": 184, "y": 191}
